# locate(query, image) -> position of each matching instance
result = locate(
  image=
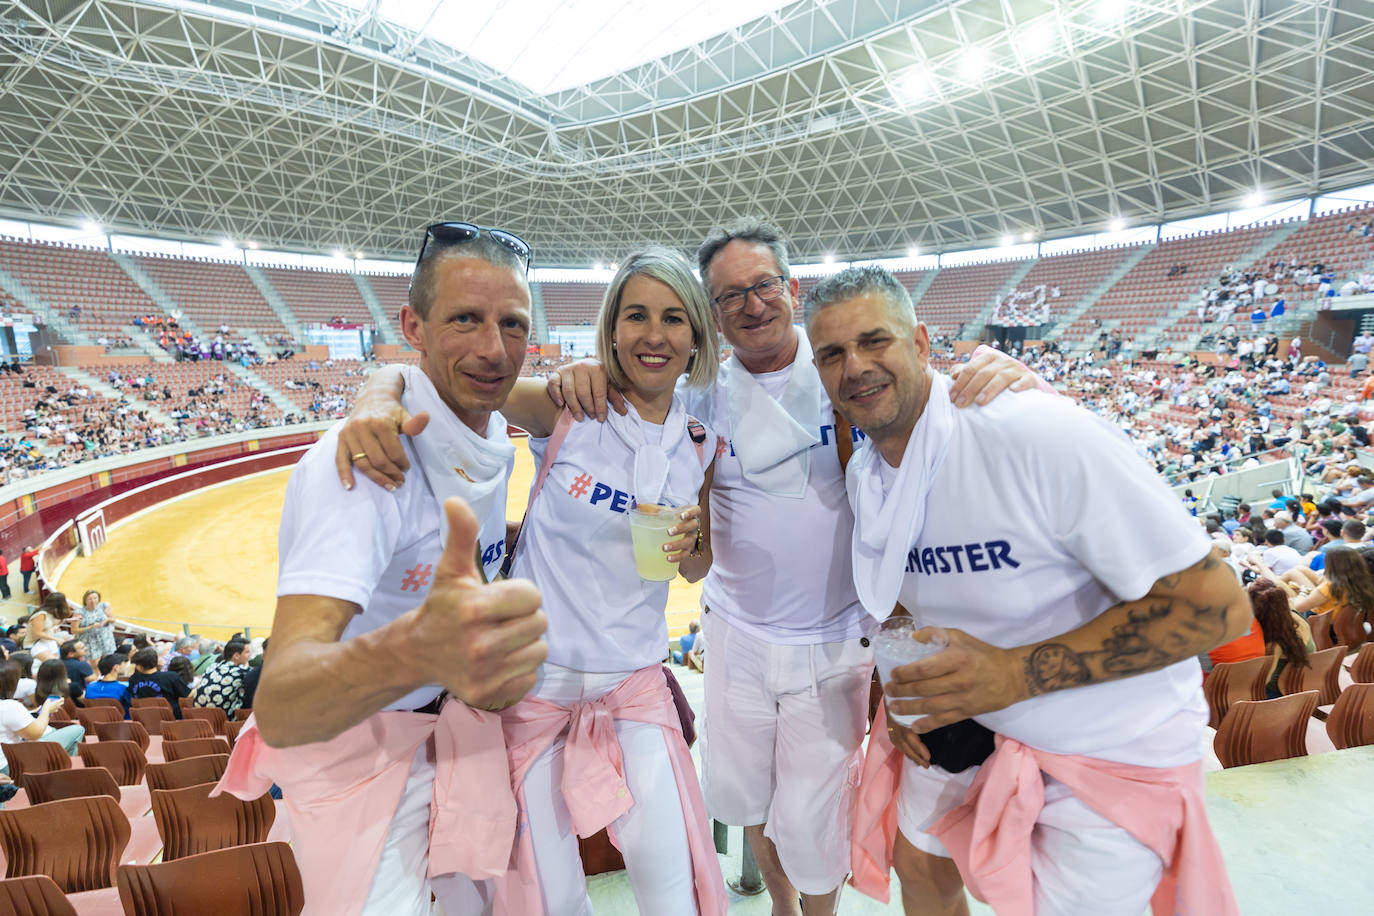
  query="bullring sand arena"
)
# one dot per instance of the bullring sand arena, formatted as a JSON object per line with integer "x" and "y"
{"x": 216, "y": 564}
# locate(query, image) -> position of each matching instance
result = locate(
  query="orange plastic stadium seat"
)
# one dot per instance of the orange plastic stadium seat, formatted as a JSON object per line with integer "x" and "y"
{"x": 1321, "y": 674}
{"x": 186, "y": 729}
{"x": 1231, "y": 681}
{"x": 123, "y": 731}
{"x": 34, "y": 757}
{"x": 124, "y": 760}
{"x": 188, "y": 771}
{"x": 194, "y": 747}
{"x": 75, "y": 841}
{"x": 33, "y": 895}
{"x": 190, "y": 821}
{"x": 1351, "y": 723}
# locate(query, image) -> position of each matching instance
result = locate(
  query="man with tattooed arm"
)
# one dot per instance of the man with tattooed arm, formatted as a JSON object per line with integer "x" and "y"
{"x": 1075, "y": 593}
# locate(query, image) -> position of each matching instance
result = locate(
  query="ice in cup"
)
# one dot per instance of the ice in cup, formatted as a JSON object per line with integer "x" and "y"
{"x": 649, "y": 524}
{"x": 895, "y": 644}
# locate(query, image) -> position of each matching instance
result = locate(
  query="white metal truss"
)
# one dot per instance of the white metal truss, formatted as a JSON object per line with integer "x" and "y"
{"x": 856, "y": 124}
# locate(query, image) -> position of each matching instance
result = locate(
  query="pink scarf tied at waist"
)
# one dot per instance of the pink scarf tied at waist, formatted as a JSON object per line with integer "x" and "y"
{"x": 989, "y": 834}
{"x": 342, "y": 794}
{"x": 594, "y": 787}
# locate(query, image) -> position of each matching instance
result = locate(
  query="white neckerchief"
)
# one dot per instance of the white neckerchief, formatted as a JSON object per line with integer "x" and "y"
{"x": 454, "y": 459}
{"x": 887, "y": 525}
{"x": 773, "y": 438}
{"x": 651, "y": 458}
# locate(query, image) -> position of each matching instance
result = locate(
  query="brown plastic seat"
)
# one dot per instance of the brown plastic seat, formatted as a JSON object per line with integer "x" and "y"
{"x": 153, "y": 702}
{"x": 231, "y": 731}
{"x": 1321, "y": 630}
{"x": 124, "y": 759}
{"x": 34, "y": 757}
{"x": 90, "y": 718}
{"x": 1257, "y": 731}
{"x": 191, "y": 822}
{"x": 189, "y": 771}
{"x": 242, "y": 713}
{"x": 33, "y": 895}
{"x": 261, "y": 878}
{"x": 1231, "y": 681}
{"x": 152, "y": 717}
{"x": 186, "y": 703}
{"x": 212, "y": 714}
{"x": 98, "y": 702}
{"x": 123, "y": 731}
{"x": 186, "y": 729}
{"x": 75, "y": 841}
{"x": 1321, "y": 674}
{"x": 194, "y": 747}
{"x": 58, "y": 717}
{"x": 1351, "y": 723}
{"x": 77, "y": 782}
{"x": 1362, "y": 668}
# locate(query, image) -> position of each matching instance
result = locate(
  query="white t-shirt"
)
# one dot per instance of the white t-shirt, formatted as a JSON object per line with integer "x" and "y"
{"x": 374, "y": 548}
{"x": 1041, "y": 518}
{"x": 576, "y": 547}
{"x": 1281, "y": 558}
{"x": 780, "y": 567}
{"x": 13, "y": 717}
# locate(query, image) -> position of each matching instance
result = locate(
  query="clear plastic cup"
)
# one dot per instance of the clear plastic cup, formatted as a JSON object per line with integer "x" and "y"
{"x": 895, "y": 644}
{"x": 649, "y": 524}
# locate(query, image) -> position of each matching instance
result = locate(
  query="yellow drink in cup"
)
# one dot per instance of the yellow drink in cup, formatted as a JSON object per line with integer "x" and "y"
{"x": 649, "y": 526}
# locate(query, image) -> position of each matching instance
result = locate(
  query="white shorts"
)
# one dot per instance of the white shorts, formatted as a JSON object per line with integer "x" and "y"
{"x": 780, "y": 745}
{"x": 400, "y": 888}
{"x": 1083, "y": 864}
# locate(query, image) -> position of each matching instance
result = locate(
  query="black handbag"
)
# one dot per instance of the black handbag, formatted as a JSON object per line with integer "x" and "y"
{"x": 959, "y": 745}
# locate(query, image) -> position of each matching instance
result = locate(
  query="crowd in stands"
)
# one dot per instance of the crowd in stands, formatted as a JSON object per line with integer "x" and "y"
{"x": 1191, "y": 418}
{"x": 1025, "y": 308}
{"x": 46, "y": 663}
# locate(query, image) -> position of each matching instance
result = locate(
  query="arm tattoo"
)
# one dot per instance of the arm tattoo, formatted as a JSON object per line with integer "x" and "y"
{"x": 1157, "y": 632}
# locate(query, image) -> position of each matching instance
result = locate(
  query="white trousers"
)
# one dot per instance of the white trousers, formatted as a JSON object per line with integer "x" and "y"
{"x": 652, "y": 835}
{"x": 400, "y": 888}
{"x": 780, "y": 745}
{"x": 1082, "y": 863}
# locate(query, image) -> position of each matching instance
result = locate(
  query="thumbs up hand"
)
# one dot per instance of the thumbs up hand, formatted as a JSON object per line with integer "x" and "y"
{"x": 482, "y": 641}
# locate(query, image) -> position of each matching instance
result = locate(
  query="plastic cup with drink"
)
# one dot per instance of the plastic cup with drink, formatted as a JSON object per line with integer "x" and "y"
{"x": 895, "y": 644}
{"x": 649, "y": 524}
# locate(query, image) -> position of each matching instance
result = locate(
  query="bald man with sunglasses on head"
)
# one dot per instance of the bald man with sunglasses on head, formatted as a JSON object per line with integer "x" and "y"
{"x": 391, "y": 652}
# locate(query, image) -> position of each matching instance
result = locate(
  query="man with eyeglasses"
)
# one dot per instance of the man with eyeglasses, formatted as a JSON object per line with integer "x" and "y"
{"x": 383, "y": 613}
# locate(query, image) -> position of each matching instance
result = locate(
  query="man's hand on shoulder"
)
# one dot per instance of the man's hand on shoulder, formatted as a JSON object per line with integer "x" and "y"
{"x": 989, "y": 373}
{"x": 582, "y": 388}
{"x": 370, "y": 439}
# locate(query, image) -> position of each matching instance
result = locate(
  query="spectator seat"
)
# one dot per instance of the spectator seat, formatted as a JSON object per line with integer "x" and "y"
{"x": 261, "y": 878}
{"x": 191, "y": 822}
{"x": 1257, "y": 731}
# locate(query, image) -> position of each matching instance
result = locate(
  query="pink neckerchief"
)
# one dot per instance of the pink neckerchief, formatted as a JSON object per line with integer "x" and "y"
{"x": 341, "y": 795}
{"x": 594, "y": 786}
{"x": 989, "y": 835}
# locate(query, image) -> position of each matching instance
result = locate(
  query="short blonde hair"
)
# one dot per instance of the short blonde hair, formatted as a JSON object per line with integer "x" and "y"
{"x": 672, "y": 270}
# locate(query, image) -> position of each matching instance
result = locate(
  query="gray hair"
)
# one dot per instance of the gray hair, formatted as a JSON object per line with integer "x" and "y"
{"x": 853, "y": 282}
{"x": 483, "y": 248}
{"x": 672, "y": 270}
{"x": 752, "y": 229}
{"x": 186, "y": 642}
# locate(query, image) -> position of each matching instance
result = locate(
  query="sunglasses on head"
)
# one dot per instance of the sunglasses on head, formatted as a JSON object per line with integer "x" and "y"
{"x": 454, "y": 233}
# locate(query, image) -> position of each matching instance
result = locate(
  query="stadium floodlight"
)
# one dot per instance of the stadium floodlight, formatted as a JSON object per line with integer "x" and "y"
{"x": 1038, "y": 39}
{"x": 914, "y": 86}
{"x": 1027, "y": 236}
{"x": 1254, "y": 198}
{"x": 91, "y": 226}
{"x": 828, "y": 259}
{"x": 1007, "y": 241}
{"x": 357, "y": 255}
{"x": 913, "y": 252}
{"x": 1117, "y": 224}
{"x": 337, "y": 254}
{"x": 253, "y": 245}
{"x": 598, "y": 266}
{"x": 973, "y": 63}
{"x": 226, "y": 244}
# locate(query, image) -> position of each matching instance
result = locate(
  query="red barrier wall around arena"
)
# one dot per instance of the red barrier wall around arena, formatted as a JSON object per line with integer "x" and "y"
{"x": 31, "y": 518}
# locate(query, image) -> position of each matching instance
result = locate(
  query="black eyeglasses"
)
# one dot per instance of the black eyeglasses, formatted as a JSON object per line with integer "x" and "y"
{"x": 460, "y": 233}
{"x": 767, "y": 290}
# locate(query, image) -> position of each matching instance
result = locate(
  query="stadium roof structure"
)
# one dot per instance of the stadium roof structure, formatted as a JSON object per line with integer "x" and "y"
{"x": 865, "y": 128}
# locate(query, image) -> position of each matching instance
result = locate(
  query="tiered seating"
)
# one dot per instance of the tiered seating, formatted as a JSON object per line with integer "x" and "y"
{"x": 316, "y": 296}
{"x": 572, "y": 303}
{"x": 333, "y": 398}
{"x": 958, "y": 294}
{"x": 214, "y": 294}
{"x": 67, "y": 277}
{"x": 15, "y": 399}
{"x": 181, "y": 377}
{"x": 1075, "y": 274}
{"x": 392, "y": 292}
{"x": 1146, "y": 291}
